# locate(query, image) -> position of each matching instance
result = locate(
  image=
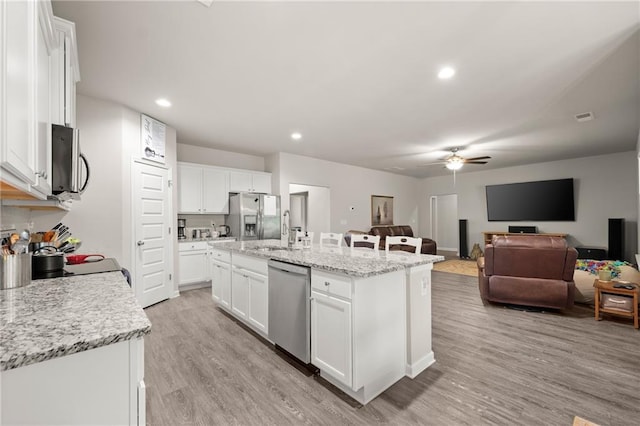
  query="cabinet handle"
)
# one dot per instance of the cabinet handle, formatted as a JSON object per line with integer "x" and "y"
{"x": 140, "y": 243}
{"x": 327, "y": 283}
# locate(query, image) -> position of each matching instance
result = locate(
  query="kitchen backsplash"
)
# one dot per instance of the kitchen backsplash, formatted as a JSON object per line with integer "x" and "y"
{"x": 203, "y": 220}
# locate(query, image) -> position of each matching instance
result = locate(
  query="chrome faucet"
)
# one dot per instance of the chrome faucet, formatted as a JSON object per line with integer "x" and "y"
{"x": 286, "y": 229}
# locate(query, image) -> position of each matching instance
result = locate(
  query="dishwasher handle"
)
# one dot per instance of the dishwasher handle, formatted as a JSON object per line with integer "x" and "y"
{"x": 289, "y": 268}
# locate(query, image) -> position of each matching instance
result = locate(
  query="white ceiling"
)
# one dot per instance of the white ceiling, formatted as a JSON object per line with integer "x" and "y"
{"x": 358, "y": 79}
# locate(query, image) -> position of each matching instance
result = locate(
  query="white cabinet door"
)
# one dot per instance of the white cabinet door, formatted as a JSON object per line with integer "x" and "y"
{"x": 240, "y": 181}
{"x": 215, "y": 196}
{"x": 17, "y": 126}
{"x": 258, "y": 302}
{"x": 262, "y": 183}
{"x": 331, "y": 345}
{"x": 189, "y": 189}
{"x": 240, "y": 294}
{"x": 216, "y": 282}
{"x": 221, "y": 284}
{"x": 43, "y": 104}
{"x": 192, "y": 267}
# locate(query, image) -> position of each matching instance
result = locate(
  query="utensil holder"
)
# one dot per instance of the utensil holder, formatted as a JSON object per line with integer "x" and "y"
{"x": 15, "y": 270}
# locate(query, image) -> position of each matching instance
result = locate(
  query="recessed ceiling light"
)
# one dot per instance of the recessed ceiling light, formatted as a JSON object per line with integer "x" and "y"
{"x": 296, "y": 136}
{"x": 446, "y": 72}
{"x": 163, "y": 102}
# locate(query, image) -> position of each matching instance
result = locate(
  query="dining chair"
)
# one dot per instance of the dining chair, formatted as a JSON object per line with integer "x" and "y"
{"x": 416, "y": 243}
{"x": 365, "y": 241}
{"x": 330, "y": 239}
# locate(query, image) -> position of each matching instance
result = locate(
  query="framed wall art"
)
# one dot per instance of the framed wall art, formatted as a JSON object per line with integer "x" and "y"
{"x": 381, "y": 210}
{"x": 153, "y": 134}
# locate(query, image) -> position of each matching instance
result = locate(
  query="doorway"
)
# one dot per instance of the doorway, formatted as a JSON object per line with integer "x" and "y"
{"x": 444, "y": 220}
{"x": 310, "y": 206}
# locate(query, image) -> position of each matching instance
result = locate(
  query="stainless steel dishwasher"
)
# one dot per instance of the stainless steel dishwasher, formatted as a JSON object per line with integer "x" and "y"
{"x": 289, "y": 308}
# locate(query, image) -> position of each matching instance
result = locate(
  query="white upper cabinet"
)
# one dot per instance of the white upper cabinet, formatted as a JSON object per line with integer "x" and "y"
{"x": 45, "y": 51}
{"x": 28, "y": 45}
{"x": 202, "y": 190}
{"x": 215, "y": 195}
{"x": 189, "y": 189}
{"x": 18, "y": 71}
{"x": 248, "y": 181}
{"x": 65, "y": 74}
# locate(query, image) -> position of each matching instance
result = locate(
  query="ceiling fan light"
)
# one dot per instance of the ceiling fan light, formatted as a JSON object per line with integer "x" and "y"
{"x": 454, "y": 164}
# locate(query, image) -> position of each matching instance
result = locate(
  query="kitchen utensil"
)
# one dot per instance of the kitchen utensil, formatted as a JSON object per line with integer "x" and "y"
{"x": 82, "y": 258}
{"x": 15, "y": 270}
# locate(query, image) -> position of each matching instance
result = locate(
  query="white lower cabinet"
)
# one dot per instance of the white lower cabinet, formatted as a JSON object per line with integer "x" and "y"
{"x": 258, "y": 301}
{"x": 221, "y": 283}
{"x": 331, "y": 336}
{"x": 193, "y": 263}
{"x": 250, "y": 292}
{"x": 98, "y": 386}
{"x": 239, "y": 294}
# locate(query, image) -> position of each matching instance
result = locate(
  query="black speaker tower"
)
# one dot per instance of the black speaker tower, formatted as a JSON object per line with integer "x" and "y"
{"x": 464, "y": 248}
{"x": 616, "y": 239}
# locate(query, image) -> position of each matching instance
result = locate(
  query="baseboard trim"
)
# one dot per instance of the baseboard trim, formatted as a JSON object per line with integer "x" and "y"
{"x": 420, "y": 365}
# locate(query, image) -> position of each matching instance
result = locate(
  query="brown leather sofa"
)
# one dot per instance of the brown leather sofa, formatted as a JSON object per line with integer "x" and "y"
{"x": 533, "y": 270}
{"x": 428, "y": 245}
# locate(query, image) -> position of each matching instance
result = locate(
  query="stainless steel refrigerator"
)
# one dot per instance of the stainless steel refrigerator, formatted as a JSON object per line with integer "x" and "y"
{"x": 254, "y": 216}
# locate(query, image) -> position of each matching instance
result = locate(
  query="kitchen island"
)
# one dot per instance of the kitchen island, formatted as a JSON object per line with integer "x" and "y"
{"x": 72, "y": 352}
{"x": 370, "y": 311}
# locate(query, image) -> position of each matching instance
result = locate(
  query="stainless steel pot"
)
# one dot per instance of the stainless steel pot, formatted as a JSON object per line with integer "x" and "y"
{"x": 15, "y": 270}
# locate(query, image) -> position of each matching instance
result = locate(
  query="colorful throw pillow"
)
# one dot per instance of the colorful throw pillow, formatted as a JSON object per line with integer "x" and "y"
{"x": 593, "y": 266}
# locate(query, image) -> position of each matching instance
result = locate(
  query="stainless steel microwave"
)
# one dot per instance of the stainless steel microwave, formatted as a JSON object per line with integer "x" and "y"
{"x": 69, "y": 177}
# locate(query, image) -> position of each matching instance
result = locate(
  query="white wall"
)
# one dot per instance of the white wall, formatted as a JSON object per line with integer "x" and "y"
{"x": 216, "y": 157}
{"x": 605, "y": 187}
{"x": 349, "y": 186}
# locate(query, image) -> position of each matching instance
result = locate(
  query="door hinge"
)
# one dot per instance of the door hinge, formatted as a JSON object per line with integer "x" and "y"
{"x": 169, "y": 277}
{"x": 169, "y": 230}
{"x": 169, "y": 183}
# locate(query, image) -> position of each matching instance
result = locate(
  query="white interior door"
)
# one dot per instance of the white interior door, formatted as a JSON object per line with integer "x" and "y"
{"x": 152, "y": 239}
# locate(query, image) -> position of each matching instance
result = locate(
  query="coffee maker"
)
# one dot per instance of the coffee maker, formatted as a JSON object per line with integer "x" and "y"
{"x": 182, "y": 223}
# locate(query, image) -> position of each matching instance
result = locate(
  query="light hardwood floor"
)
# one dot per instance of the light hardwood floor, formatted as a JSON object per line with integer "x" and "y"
{"x": 493, "y": 366}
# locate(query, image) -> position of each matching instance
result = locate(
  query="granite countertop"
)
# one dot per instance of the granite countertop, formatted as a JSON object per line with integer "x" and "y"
{"x": 191, "y": 240}
{"x": 357, "y": 262}
{"x": 61, "y": 316}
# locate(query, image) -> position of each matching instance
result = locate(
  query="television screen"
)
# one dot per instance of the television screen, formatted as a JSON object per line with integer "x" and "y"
{"x": 549, "y": 200}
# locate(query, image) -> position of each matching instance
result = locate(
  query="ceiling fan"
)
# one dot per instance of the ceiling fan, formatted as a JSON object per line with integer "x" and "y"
{"x": 455, "y": 161}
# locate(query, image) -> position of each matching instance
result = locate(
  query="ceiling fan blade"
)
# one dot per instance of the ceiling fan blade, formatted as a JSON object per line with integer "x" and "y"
{"x": 475, "y": 162}
{"x": 477, "y": 158}
{"x": 432, "y": 164}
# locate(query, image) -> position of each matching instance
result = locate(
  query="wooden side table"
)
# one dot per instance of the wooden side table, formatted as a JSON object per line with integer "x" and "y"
{"x": 607, "y": 287}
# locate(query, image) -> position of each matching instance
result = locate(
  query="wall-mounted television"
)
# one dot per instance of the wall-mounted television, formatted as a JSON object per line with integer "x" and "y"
{"x": 548, "y": 200}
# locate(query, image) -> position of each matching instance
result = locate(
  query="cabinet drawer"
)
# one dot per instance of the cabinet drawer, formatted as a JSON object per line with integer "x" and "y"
{"x": 221, "y": 255}
{"x": 192, "y": 245}
{"x": 250, "y": 263}
{"x": 337, "y": 285}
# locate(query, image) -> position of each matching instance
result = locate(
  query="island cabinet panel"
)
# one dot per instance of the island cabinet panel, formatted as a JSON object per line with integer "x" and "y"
{"x": 331, "y": 341}
{"x": 258, "y": 301}
{"x": 221, "y": 278}
{"x": 250, "y": 292}
{"x": 239, "y": 294}
{"x": 99, "y": 386}
{"x": 344, "y": 312}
